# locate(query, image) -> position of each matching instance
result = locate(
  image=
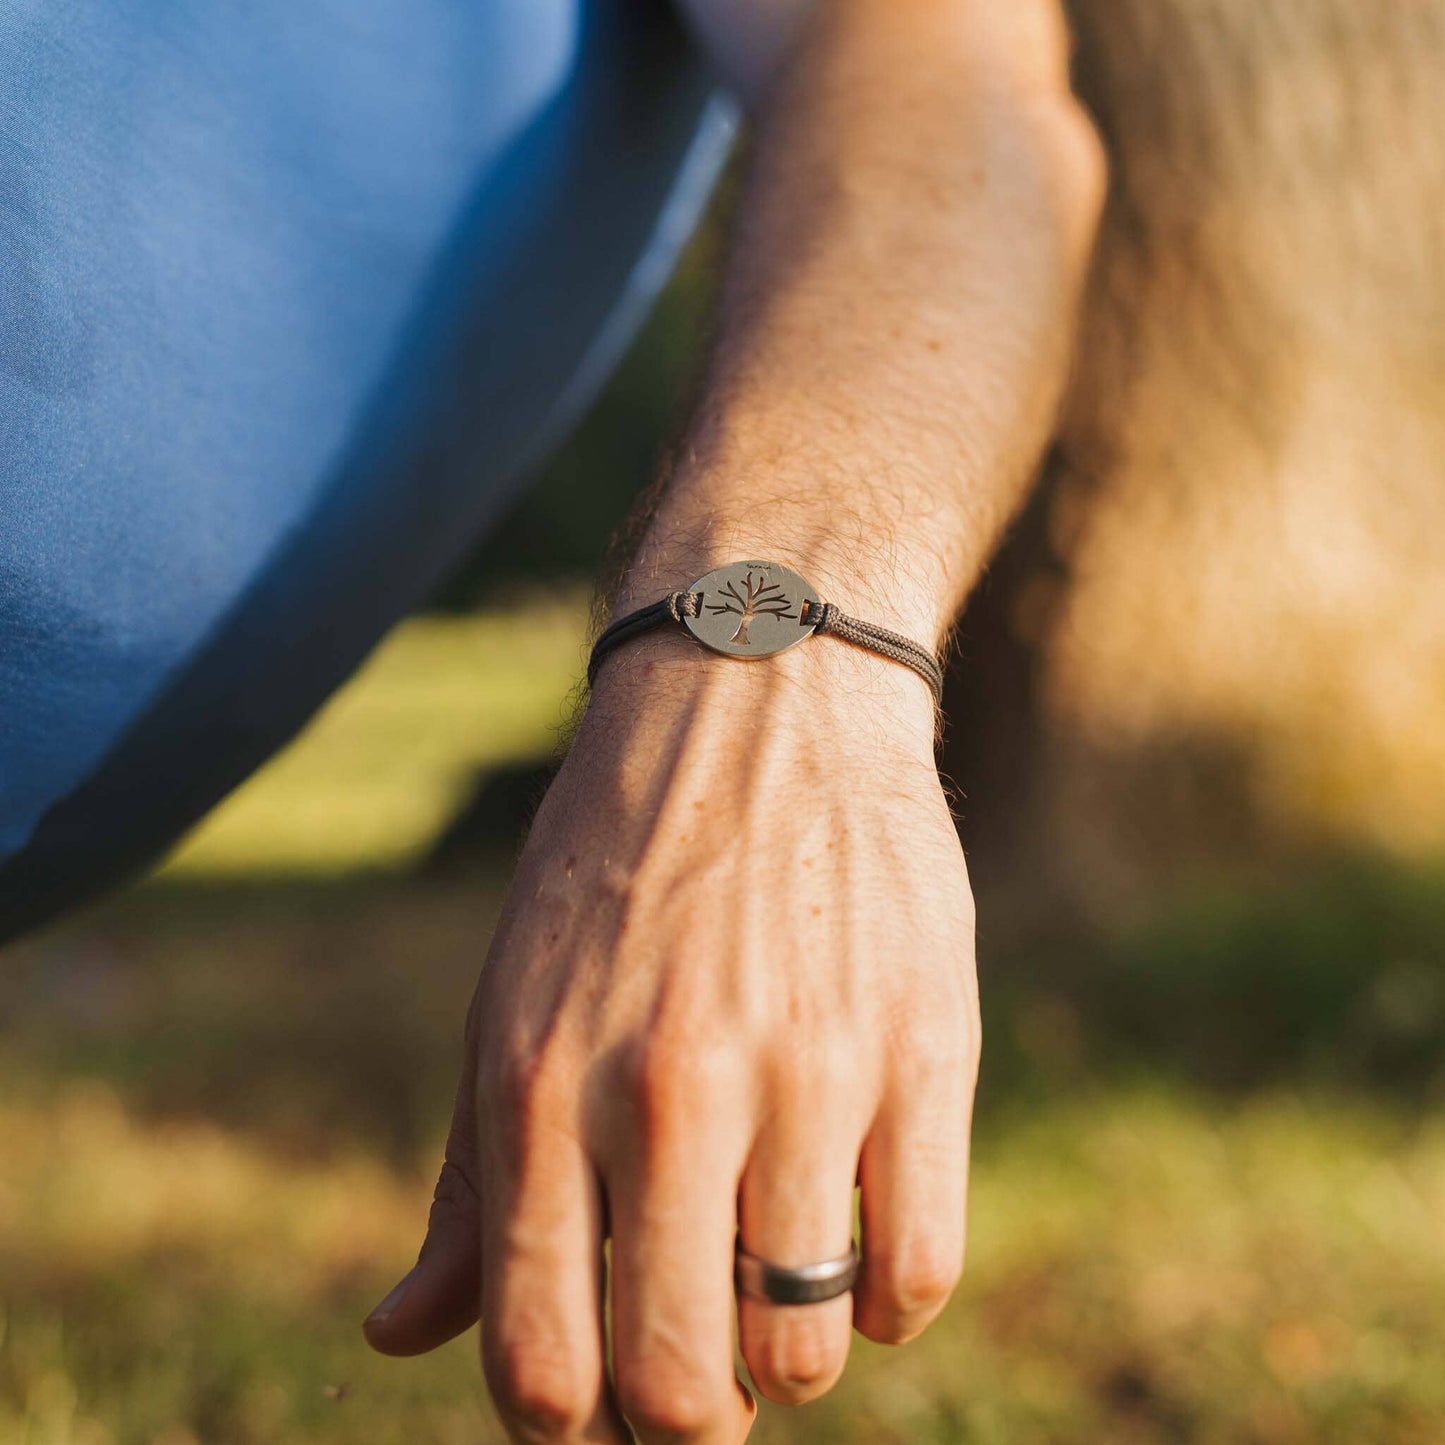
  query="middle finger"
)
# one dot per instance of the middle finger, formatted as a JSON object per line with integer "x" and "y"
{"x": 672, "y": 1197}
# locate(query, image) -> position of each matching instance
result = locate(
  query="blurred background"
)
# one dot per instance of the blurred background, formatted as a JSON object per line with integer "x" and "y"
{"x": 1197, "y": 746}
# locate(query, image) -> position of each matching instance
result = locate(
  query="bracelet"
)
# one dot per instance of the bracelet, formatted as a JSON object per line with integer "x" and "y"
{"x": 755, "y": 609}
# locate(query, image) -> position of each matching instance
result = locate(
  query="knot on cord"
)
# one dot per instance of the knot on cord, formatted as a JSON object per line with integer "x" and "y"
{"x": 684, "y": 604}
{"x": 822, "y": 615}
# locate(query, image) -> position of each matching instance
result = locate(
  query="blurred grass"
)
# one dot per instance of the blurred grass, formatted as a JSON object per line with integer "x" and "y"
{"x": 1144, "y": 1268}
{"x": 220, "y": 1107}
{"x": 1209, "y": 1191}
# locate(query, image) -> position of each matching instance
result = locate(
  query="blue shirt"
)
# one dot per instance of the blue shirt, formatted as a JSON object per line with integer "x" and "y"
{"x": 290, "y": 297}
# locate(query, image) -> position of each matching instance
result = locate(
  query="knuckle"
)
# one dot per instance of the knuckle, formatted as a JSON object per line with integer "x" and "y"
{"x": 536, "y": 1387}
{"x": 520, "y": 1084}
{"x": 926, "y": 1279}
{"x": 938, "y": 1048}
{"x": 667, "y": 1075}
{"x": 791, "y": 1371}
{"x": 827, "y": 1068}
{"x": 908, "y": 1288}
{"x": 667, "y": 1397}
{"x": 619, "y": 895}
{"x": 790, "y": 1078}
{"x": 837, "y": 1068}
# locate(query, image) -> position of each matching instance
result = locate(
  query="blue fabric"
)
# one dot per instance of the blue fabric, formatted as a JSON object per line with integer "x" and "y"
{"x": 291, "y": 296}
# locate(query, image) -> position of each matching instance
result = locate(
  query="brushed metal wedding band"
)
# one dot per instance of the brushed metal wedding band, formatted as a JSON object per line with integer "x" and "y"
{"x": 809, "y": 1284}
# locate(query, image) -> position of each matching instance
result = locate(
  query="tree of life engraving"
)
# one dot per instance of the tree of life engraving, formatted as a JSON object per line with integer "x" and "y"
{"x": 757, "y": 597}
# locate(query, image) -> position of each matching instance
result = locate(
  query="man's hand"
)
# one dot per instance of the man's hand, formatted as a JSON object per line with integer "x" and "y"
{"x": 734, "y": 975}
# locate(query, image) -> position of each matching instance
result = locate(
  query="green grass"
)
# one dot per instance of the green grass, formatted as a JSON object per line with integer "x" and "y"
{"x": 383, "y": 767}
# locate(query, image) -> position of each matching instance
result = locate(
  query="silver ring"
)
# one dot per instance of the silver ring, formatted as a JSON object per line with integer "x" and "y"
{"x": 809, "y": 1284}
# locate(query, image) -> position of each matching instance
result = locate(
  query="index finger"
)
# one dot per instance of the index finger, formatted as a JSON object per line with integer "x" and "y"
{"x": 542, "y": 1271}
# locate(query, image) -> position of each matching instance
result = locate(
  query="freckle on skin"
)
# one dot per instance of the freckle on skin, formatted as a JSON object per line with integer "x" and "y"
{"x": 817, "y": 909}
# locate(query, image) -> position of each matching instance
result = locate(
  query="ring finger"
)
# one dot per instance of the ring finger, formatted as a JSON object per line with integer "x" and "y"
{"x": 796, "y": 1208}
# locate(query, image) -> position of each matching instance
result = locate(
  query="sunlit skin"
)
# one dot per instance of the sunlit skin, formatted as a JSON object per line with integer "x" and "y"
{"x": 734, "y": 975}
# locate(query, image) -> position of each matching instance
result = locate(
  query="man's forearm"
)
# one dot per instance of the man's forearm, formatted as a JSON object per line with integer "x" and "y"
{"x": 897, "y": 312}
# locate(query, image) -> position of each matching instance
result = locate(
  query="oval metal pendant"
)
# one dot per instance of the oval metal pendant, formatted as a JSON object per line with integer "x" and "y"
{"x": 752, "y": 609}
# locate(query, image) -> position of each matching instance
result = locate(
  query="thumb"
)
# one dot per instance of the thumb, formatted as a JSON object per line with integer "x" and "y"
{"x": 439, "y": 1298}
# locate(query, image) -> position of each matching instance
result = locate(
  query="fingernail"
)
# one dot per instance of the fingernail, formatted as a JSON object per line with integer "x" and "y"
{"x": 385, "y": 1308}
